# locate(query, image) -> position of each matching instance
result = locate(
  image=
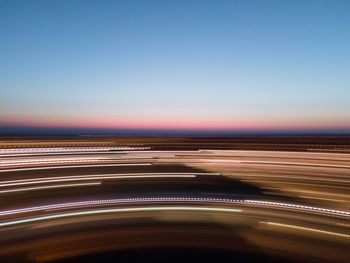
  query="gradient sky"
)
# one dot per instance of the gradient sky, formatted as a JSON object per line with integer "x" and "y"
{"x": 175, "y": 64}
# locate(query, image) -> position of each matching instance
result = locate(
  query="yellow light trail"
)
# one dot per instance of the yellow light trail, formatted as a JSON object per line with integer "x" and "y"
{"x": 306, "y": 229}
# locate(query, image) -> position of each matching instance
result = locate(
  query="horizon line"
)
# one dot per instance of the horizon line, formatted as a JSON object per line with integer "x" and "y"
{"x": 74, "y": 131}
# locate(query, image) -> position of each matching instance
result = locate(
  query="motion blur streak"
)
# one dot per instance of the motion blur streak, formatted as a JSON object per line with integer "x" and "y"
{"x": 138, "y": 209}
{"x": 331, "y": 211}
{"x": 307, "y": 229}
{"x": 214, "y": 200}
{"x": 69, "y": 149}
{"x": 48, "y": 187}
{"x": 244, "y": 194}
{"x": 71, "y": 166}
{"x": 92, "y": 177}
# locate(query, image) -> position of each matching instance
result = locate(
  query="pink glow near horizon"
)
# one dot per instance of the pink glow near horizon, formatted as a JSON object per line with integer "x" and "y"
{"x": 178, "y": 124}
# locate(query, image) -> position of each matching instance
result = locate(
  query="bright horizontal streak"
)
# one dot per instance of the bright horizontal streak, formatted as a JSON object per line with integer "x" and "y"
{"x": 47, "y": 187}
{"x": 124, "y": 152}
{"x": 139, "y": 209}
{"x": 278, "y": 153}
{"x": 70, "y": 149}
{"x": 310, "y": 178}
{"x": 221, "y": 161}
{"x": 255, "y": 162}
{"x": 51, "y": 160}
{"x": 302, "y": 207}
{"x": 98, "y": 175}
{"x": 85, "y": 178}
{"x": 72, "y": 166}
{"x": 294, "y": 163}
{"x": 57, "y": 153}
{"x": 110, "y": 201}
{"x": 307, "y": 229}
{"x": 176, "y": 199}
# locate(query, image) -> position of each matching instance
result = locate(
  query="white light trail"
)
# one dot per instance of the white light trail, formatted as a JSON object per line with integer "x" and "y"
{"x": 92, "y": 177}
{"x": 177, "y": 199}
{"x": 70, "y": 149}
{"x": 47, "y": 187}
{"x": 72, "y": 166}
{"x": 302, "y": 207}
{"x": 138, "y": 209}
{"x": 269, "y": 163}
{"x": 278, "y": 153}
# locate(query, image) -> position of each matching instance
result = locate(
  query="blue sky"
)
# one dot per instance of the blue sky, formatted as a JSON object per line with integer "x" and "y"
{"x": 175, "y": 64}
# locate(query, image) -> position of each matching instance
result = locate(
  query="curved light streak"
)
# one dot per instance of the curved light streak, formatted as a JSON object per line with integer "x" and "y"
{"x": 176, "y": 199}
{"x": 138, "y": 209}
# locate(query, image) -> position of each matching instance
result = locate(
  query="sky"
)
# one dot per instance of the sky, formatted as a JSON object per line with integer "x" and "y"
{"x": 183, "y": 64}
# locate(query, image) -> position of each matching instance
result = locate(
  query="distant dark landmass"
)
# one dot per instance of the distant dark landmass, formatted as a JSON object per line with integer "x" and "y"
{"x": 53, "y": 131}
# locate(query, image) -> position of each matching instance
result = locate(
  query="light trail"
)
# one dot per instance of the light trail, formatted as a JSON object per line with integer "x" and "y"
{"x": 55, "y": 161}
{"x": 139, "y": 209}
{"x": 294, "y": 183}
{"x": 296, "y": 164}
{"x": 48, "y": 187}
{"x": 306, "y": 229}
{"x": 59, "y": 153}
{"x": 51, "y": 160}
{"x": 97, "y": 175}
{"x": 69, "y": 149}
{"x": 301, "y": 177}
{"x": 72, "y": 166}
{"x": 269, "y": 157}
{"x": 276, "y": 163}
{"x": 178, "y": 199}
{"x": 122, "y": 152}
{"x": 92, "y": 177}
{"x": 278, "y": 153}
{"x": 302, "y": 207}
